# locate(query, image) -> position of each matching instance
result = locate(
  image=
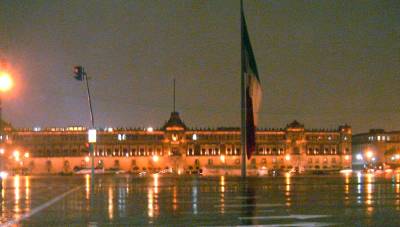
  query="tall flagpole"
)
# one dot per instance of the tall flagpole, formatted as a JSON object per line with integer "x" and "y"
{"x": 243, "y": 96}
{"x": 173, "y": 101}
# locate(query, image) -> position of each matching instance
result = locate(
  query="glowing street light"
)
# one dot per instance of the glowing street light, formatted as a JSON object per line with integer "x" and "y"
{"x": 6, "y": 82}
{"x": 3, "y": 175}
{"x": 287, "y": 157}
{"x": 369, "y": 154}
{"x": 222, "y": 158}
{"x": 155, "y": 158}
{"x": 5, "y": 85}
{"x": 16, "y": 154}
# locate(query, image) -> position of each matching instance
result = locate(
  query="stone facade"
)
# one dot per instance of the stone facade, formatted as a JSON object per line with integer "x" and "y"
{"x": 177, "y": 147}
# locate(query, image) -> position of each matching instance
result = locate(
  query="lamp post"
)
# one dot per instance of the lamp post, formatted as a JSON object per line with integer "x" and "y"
{"x": 5, "y": 85}
{"x": 81, "y": 75}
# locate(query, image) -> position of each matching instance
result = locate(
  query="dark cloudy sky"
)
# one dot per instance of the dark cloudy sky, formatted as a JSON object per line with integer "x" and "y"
{"x": 323, "y": 63}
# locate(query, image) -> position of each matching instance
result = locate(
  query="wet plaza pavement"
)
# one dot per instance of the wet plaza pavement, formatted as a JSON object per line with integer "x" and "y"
{"x": 124, "y": 200}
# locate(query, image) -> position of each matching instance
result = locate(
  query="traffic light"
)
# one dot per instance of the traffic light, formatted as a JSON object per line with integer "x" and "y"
{"x": 79, "y": 72}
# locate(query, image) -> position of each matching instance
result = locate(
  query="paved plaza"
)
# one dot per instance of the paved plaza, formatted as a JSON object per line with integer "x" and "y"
{"x": 124, "y": 200}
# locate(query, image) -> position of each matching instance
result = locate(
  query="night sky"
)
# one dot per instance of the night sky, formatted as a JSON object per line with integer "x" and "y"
{"x": 324, "y": 63}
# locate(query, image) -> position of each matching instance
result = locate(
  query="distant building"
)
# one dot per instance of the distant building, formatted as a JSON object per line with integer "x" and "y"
{"x": 376, "y": 148}
{"x": 182, "y": 149}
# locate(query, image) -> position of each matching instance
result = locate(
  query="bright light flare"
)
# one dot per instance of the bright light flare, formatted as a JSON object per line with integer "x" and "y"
{"x": 3, "y": 175}
{"x": 369, "y": 154}
{"x": 388, "y": 170}
{"x": 87, "y": 159}
{"x": 287, "y": 157}
{"x": 222, "y": 158}
{"x": 155, "y": 158}
{"x": 6, "y": 82}
{"x": 26, "y": 155}
{"x": 346, "y": 171}
{"x": 16, "y": 155}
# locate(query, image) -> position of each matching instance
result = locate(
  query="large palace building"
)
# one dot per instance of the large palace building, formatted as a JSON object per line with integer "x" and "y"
{"x": 178, "y": 148}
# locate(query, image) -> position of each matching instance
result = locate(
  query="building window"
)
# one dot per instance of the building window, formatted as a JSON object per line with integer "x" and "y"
{"x": 121, "y": 137}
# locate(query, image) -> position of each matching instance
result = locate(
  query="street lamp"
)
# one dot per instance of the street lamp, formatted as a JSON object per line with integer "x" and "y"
{"x": 369, "y": 154}
{"x": 155, "y": 158}
{"x": 5, "y": 84}
{"x": 81, "y": 75}
{"x": 5, "y": 81}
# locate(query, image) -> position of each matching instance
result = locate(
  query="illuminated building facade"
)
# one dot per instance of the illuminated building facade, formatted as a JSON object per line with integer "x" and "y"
{"x": 185, "y": 150}
{"x": 376, "y": 148}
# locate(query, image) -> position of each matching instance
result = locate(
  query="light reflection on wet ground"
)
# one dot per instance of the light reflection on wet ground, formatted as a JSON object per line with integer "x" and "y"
{"x": 343, "y": 200}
